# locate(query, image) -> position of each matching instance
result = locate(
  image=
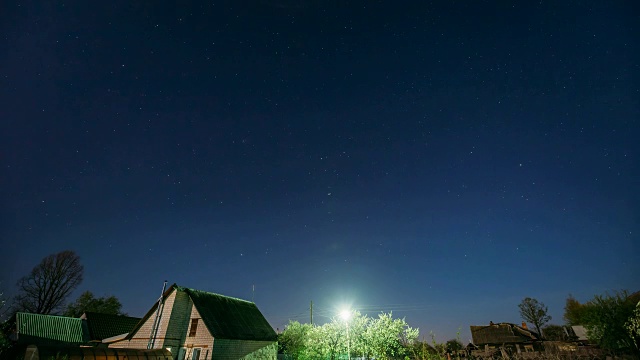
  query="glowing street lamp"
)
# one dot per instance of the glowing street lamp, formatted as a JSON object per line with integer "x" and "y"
{"x": 346, "y": 316}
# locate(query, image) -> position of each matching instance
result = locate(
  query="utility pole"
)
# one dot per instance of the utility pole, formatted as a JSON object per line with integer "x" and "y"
{"x": 311, "y": 312}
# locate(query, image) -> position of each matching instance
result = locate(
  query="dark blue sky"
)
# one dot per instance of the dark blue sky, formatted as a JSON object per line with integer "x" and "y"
{"x": 442, "y": 161}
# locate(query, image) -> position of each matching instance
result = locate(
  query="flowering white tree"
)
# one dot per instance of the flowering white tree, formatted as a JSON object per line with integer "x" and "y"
{"x": 381, "y": 338}
{"x": 388, "y": 336}
{"x": 633, "y": 326}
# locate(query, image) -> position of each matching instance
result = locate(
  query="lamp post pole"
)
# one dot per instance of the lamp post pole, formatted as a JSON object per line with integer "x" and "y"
{"x": 348, "y": 343}
{"x": 346, "y": 316}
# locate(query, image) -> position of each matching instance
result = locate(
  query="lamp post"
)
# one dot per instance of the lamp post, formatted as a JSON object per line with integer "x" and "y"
{"x": 346, "y": 316}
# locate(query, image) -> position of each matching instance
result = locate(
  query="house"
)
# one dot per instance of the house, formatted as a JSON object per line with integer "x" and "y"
{"x": 199, "y": 325}
{"x": 577, "y": 332}
{"x": 505, "y": 335}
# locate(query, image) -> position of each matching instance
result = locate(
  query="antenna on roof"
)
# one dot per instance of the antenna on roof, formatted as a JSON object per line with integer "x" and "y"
{"x": 156, "y": 322}
{"x": 253, "y": 291}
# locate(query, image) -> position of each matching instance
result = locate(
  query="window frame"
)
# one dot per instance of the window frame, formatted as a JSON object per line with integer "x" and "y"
{"x": 194, "y": 352}
{"x": 193, "y": 328}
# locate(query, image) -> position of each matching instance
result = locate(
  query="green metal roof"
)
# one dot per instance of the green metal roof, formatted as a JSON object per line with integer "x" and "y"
{"x": 50, "y": 329}
{"x": 230, "y": 318}
{"x": 102, "y": 326}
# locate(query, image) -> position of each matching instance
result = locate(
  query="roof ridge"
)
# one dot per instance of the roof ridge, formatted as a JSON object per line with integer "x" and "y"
{"x": 120, "y": 315}
{"x": 184, "y": 288}
{"x": 50, "y": 315}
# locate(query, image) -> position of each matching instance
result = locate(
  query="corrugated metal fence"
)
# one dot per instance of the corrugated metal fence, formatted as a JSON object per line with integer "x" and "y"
{"x": 34, "y": 352}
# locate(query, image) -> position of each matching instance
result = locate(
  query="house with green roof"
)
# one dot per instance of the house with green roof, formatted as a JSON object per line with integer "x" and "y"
{"x": 199, "y": 325}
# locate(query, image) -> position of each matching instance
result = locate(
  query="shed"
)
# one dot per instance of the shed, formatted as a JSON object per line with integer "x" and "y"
{"x": 103, "y": 326}
{"x": 50, "y": 330}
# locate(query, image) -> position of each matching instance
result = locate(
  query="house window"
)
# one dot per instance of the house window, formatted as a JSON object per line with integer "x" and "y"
{"x": 196, "y": 354}
{"x": 194, "y": 327}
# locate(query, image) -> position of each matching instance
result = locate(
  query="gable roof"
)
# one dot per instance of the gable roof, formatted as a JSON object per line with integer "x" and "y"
{"x": 50, "y": 329}
{"x": 502, "y": 333}
{"x": 225, "y": 317}
{"x": 102, "y": 326}
{"x": 231, "y": 318}
{"x": 580, "y": 332}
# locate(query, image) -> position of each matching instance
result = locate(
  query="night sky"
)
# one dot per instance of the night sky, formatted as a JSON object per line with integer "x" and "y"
{"x": 438, "y": 160}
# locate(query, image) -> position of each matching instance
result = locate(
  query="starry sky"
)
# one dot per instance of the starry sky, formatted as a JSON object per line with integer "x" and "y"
{"x": 439, "y": 160}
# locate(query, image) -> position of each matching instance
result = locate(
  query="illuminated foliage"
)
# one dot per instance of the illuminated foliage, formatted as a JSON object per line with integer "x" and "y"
{"x": 381, "y": 338}
{"x": 292, "y": 340}
{"x": 633, "y": 326}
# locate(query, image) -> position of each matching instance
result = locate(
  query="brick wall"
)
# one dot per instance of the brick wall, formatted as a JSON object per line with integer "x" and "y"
{"x": 140, "y": 339}
{"x": 202, "y": 339}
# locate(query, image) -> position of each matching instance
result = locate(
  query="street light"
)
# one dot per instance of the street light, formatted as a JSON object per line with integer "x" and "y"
{"x": 346, "y": 316}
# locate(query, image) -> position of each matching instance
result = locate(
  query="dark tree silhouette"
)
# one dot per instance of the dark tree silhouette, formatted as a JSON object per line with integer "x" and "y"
{"x": 49, "y": 284}
{"x": 87, "y": 302}
{"x": 534, "y": 312}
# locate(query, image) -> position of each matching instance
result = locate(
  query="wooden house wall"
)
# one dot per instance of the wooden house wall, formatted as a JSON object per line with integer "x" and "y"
{"x": 141, "y": 338}
{"x": 202, "y": 339}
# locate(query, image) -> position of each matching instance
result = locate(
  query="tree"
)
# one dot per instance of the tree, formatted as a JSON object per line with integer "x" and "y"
{"x": 554, "y": 333}
{"x": 49, "y": 284}
{"x": 633, "y": 326}
{"x": 380, "y": 338}
{"x": 86, "y": 302}
{"x": 453, "y": 346}
{"x": 422, "y": 350}
{"x": 388, "y": 336}
{"x": 574, "y": 312}
{"x": 4, "y": 308}
{"x": 293, "y": 339}
{"x": 6, "y": 344}
{"x": 360, "y": 343}
{"x": 605, "y": 318}
{"x": 534, "y": 312}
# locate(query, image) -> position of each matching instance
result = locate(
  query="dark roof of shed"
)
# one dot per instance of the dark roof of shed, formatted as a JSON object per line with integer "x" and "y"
{"x": 102, "y": 326}
{"x": 502, "y": 333}
{"x": 230, "y": 318}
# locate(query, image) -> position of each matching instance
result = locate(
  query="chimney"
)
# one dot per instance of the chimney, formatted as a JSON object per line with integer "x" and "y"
{"x": 524, "y": 325}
